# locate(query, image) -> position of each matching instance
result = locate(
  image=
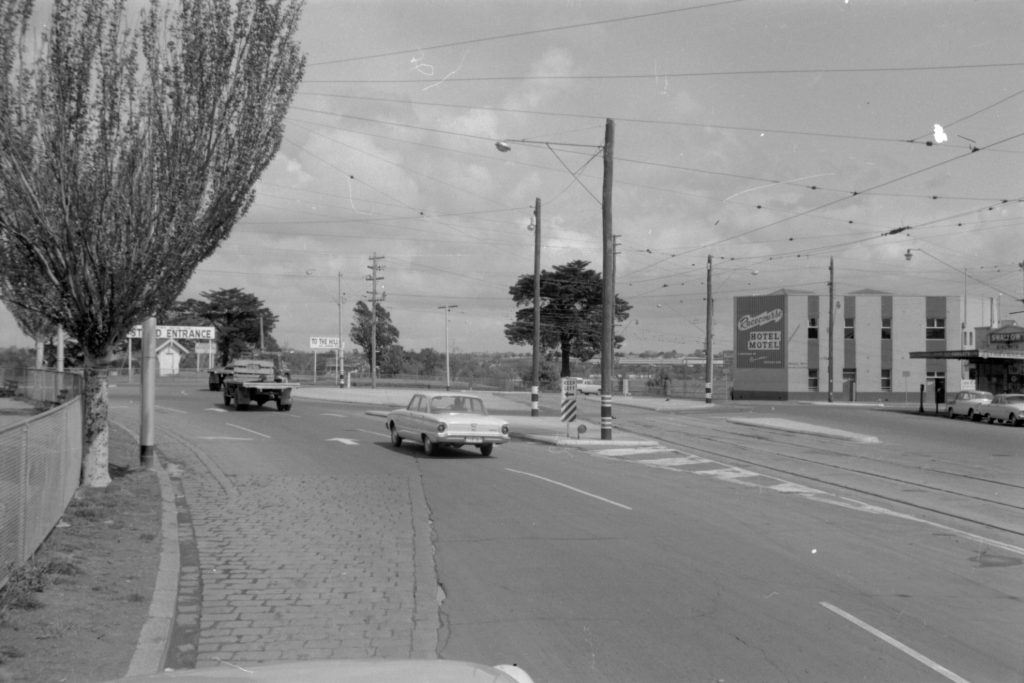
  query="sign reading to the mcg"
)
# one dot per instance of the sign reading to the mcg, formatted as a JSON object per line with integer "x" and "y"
{"x": 177, "y": 332}
{"x": 760, "y": 326}
{"x": 323, "y": 342}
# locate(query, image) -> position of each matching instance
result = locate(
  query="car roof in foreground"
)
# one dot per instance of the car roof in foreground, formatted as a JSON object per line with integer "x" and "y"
{"x": 348, "y": 671}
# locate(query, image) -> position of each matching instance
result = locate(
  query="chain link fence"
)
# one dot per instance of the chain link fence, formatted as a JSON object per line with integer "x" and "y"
{"x": 40, "y": 463}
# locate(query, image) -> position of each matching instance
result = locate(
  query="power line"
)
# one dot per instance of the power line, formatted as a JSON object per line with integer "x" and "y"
{"x": 521, "y": 34}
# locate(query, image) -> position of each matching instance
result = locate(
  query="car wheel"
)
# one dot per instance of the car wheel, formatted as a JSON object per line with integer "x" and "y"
{"x": 949, "y": 412}
{"x": 991, "y": 420}
{"x": 485, "y": 449}
{"x": 428, "y": 447}
{"x": 975, "y": 417}
{"x": 1011, "y": 420}
{"x": 396, "y": 440}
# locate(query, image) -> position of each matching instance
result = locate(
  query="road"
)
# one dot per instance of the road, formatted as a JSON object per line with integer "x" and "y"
{"x": 728, "y": 553}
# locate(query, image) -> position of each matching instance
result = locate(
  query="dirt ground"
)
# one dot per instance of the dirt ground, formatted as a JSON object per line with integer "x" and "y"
{"x": 95, "y": 576}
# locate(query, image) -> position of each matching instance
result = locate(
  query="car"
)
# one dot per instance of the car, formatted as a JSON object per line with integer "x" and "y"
{"x": 1008, "y": 408}
{"x": 345, "y": 671}
{"x": 969, "y": 404}
{"x": 587, "y": 386}
{"x": 446, "y": 419}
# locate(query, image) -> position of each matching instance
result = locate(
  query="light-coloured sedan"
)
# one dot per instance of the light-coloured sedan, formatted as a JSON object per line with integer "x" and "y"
{"x": 969, "y": 404}
{"x": 1008, "y": 408}
{"x": 449, "y": 419}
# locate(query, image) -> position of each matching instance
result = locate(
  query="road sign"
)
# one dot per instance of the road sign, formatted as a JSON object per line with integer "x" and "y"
{"x": 323, "y": 342}
{"x": 568, "y": 399}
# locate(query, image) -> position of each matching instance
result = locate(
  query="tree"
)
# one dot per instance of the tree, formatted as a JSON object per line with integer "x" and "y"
{"x": 362, "y": 325}
{"x": 241, "y": 319}
{"x": 570, "y": 312}
{"x": 127, "y": 154}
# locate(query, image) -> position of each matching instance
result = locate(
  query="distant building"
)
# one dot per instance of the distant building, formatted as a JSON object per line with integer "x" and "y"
{"x": 883, "y": 346}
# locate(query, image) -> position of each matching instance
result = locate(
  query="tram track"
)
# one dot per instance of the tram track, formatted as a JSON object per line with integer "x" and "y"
{"x": 711, "y": 442}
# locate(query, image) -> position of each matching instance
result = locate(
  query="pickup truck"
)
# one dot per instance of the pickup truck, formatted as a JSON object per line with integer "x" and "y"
{"x": 256, "y": 380}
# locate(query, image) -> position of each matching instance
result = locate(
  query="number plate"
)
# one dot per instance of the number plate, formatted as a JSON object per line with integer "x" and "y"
{"x": 474, "y": 439}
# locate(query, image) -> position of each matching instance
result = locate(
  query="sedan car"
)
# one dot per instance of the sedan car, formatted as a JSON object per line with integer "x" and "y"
{"x": 1008, "y": 408}
{"x": 969, "y": 404}
{"x": 449, "y": 419}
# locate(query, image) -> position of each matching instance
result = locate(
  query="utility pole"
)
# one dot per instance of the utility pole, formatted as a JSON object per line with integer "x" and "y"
{"x": 447, "y": 364}
{"x": 608, "y": 288}
{"x": 831, "y": 322}
{"x": 373, "y": 277}
{"x": 535, "y": 388}
{"x": 708, "y": 370}
{"x": 340, "y": 364}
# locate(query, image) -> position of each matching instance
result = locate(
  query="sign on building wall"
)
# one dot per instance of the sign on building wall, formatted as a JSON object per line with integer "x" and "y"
{"x": 761, "y": 332}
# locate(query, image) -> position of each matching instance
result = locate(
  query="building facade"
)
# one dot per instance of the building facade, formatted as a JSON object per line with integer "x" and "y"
{"x": 787, "y": 346}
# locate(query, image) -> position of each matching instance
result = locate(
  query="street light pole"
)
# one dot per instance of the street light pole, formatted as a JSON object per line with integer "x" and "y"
{"x": 535, "y": 388}
{"x": 608, "y": 263}
{"x": 608, "y": 291}
{"x": 831, "y": 322}
{"x": 708, "y": 355}
{"x": 447, "y": 365}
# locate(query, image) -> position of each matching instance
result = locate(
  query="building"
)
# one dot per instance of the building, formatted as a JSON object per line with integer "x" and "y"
{"x": 783, "y": 348}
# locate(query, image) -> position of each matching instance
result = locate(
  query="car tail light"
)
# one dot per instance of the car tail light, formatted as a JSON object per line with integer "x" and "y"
{"x": 504, "y": 429}
{"x": 441, "y": 426}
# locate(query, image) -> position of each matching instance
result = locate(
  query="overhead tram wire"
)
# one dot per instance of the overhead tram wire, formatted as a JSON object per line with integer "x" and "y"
{"x": 521, "y": 34}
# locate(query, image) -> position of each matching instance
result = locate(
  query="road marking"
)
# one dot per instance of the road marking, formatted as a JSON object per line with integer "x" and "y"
{"x": 347, "y": 442}
{"x": 217, "y": 410}
{"x": 246, "y": 429}
{"x": 905, "y": 649}
{"x": 333, "y": 415}
{"x": 171, "y": 410}
{"x": 571, "y": 488}
{"x": 681, "y": 461}
{"x": 620, "y": 452}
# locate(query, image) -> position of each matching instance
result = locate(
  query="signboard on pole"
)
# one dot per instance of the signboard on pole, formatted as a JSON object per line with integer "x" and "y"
{"x": 178, "y": 332}
{"x": 318, "y": 343}
{"x": 568, "y": 399}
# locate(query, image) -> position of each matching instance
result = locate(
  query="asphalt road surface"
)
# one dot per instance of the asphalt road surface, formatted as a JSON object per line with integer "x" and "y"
{"x": 726, "y": 553}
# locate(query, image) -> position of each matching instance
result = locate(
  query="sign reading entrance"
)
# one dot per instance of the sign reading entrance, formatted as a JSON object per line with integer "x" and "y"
{"x": 177, "y": 332}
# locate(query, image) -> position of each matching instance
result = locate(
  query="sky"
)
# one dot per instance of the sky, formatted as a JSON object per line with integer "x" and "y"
{"x": 768, "y": 135}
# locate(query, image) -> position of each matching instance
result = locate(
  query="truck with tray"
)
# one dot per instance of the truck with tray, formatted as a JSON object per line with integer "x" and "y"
{"x": 252, "y": 379}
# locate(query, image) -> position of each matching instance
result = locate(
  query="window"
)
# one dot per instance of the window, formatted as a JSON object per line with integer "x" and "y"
{"x": 848, "y": 328}
{"x": 935, "y": 328}
{"x": 812, "y": 328}
{"x": 886, "y": 328}
{"x": 886, "y": 379}
{"x": 849, "y": 375}
{"x": 812, "y": 379}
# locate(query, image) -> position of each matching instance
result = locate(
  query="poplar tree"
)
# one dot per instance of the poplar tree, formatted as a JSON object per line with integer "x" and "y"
{"x": 129, "y": 148}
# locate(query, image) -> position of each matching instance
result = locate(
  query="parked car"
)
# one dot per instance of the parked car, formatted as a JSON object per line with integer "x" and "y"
{"x": 1008, "y": 408}
{"x": 969, "y": 404}
{"x": 446, "y": 419}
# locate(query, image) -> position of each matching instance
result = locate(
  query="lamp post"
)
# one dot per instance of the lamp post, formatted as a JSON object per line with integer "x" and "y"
{"x": 608, "y": 266}
{"x": 447, "y": 365}
{"x": 535, "y": 377}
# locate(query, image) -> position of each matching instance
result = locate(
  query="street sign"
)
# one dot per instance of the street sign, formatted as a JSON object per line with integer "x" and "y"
{"x": 568, "y": 399}
{"x": 178, "y": 332}
{"x": 323, "y": 342}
